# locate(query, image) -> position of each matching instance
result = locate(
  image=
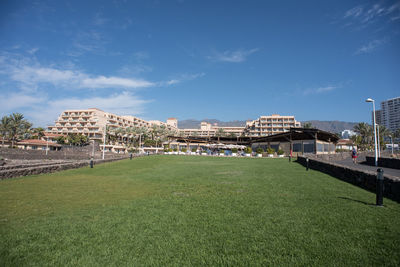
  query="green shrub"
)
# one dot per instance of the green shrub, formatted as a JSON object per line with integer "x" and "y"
{"x": 259, "y": 150}
{"x": 175, "y": 149}
{"x": 194, "y": 149}
{"x": 184, "y": 150}
{"x": 270, "y": 150}
{"x": 234, "y": 150}
{"x": 248, "y": 150}
{"x": 133, "y": 150}
{"x": 281, "y": 152}
{"x": 222, "y": 151}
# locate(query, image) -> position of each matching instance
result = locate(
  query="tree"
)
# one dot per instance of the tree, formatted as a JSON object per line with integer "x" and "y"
{"x": 18, "y": 126}
{"x": 39, "y": 131}
{"x": 60, "y": 140}
{"x": 365, "y": 131}
{"x": 77, "y": 139}
{"x": 220, "y": 132}
{"x": 5, "y": 126}
{"x": 307, "y": 125}
{"x": 383, "y": 132}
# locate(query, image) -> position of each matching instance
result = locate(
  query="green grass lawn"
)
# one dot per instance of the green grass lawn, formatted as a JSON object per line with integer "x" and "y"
{"x": 191, "y": 210}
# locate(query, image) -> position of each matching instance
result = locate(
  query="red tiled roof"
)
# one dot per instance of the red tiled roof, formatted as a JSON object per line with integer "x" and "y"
{"x": 36, "y": 142}
{"x": 345, "y": 142}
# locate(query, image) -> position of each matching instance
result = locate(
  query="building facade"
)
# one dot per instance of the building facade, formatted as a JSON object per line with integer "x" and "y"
{"x": 269, "y": 125}
{"x": 208, "y": 129}
{"x": 390, "y": 117}
{"x": 92, "y": 123}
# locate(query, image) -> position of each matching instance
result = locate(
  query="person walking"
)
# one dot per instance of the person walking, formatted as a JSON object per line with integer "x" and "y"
{"x": 354, "y": 155}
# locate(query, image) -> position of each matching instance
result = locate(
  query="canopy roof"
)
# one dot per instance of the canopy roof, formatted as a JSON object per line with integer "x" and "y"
{"x": 292, "y": 135}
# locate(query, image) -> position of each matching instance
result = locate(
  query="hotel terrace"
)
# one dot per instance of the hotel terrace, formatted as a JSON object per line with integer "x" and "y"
{"x": 92, "y": 123}
{"x": 206, "y": 129}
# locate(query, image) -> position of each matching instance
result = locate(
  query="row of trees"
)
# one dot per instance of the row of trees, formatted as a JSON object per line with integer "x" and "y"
{"x": 365, "y": 136}
{"x": 14, "y": 127}
{"x": 134, "y": 136}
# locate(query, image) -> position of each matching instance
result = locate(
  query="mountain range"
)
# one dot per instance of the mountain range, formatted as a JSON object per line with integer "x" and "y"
{"x": 330, "y": 126}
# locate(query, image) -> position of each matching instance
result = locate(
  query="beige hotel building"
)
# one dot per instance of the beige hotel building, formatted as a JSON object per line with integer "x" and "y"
{"x": 92, "y": 122}
{"x": 268, "y": 125}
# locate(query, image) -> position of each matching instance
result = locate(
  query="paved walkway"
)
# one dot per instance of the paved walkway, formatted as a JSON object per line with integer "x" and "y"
{"x": 362, "y": 166}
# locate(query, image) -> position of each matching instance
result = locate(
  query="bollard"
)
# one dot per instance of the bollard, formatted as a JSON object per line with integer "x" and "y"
{"x": 306, "y": 164}
{"x": 379, "y": 187}
{"x": 130, "y": 156}
{"x": 91, "y": 163}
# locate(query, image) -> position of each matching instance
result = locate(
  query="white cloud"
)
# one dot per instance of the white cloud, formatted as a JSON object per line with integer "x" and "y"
{"x": 106, "y": 82}
{"x": 15, "y": 101}
{"x": 354, "y": 12}
{"x": 369, "y": 14}
{"x": 371, "y": 46}
{"x": 33, "y": 50}
{"x": 319, "y": 90}
{"x": 233, "y": 56}
{"x": 32, "y": 76}
{"x": 182, "y": 78}
{"x": 99, "y": 19}
{"x": 43, "y": 111}
{"x": 141, "y": 55}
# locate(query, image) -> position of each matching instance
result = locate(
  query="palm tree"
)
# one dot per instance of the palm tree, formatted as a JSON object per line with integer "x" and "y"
{"x": 365, "y": 131}
{"x": 220, "y": 132}
{"x": 18, "y": 126}
{"x": 39, "y": 131}
{"x": 5, "y": 125}
{"x": 383, "y": 132}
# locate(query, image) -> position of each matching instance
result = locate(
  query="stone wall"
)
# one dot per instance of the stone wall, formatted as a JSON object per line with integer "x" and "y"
{"x": 335, "y": 156}
{"x": 46, "y": 167}
{"x": 363, "y": 179}
{"x": 66, "y": 153}
{"x": 393, "y": 163}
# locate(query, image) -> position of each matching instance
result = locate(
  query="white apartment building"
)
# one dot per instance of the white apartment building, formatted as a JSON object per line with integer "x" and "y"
{"x": 207, "y": 129}
{"x": 390, "y": 113}
{"x": 92, "y": 123}
{"x": 268, "y": 125}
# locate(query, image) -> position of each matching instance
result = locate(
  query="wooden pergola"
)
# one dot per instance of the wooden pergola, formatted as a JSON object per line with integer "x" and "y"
{"x": 294, "y": 134}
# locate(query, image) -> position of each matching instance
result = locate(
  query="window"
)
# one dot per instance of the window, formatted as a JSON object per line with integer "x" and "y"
{"x": 297, "y": 147}
{"x": 308, "y": 147}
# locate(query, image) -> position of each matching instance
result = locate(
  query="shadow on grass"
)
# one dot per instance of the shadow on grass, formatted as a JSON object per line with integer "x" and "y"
{"x": 358, "y": 201}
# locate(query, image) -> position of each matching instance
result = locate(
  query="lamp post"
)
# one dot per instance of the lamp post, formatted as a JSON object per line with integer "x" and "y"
{"x": 391, "y": 139}
{"x": 47, "y": 144}
{"x": 374, "y": 122}
{"x": 93, "y": 149}
{"x": 104, "y": 140}
{"x": 379, "y": 140}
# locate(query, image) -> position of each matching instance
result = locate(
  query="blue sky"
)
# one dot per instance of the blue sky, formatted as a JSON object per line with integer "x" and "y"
{"x": 229, "y": 60}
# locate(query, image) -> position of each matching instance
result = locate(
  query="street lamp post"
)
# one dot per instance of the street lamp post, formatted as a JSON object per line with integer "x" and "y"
{"x": 104, "y": 140}
{"x": 379, "y": 141}
{"x": 374, "y": 123}
{"x": 391, "y": 139}
{"x": 47, "y": 145}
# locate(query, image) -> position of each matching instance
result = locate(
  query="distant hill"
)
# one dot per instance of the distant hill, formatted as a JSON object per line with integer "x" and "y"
{"x": 330, "y": 126}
